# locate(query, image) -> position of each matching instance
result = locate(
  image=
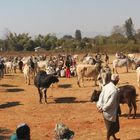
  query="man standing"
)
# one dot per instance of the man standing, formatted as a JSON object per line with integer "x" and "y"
{"x": 108, "y": 104}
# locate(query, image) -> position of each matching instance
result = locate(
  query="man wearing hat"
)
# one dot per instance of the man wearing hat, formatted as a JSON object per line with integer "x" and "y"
{"x": 108, "y": 104}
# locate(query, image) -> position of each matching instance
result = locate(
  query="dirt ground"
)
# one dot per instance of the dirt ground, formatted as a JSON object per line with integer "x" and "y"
{"x": 67, "y": 103}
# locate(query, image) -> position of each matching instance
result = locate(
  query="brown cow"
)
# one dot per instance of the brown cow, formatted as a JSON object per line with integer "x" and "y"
{"x": 88, "y": 71}
{"x": 127, "y": 95}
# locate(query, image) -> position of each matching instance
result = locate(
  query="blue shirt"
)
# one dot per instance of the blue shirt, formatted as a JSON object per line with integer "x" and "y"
{"x": 14, "y": 137}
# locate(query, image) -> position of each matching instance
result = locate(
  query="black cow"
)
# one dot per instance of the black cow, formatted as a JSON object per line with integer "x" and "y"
{"x": 1, "y": 70}
{"x": 127, "y": 94}
{"x": 43, "y": 81}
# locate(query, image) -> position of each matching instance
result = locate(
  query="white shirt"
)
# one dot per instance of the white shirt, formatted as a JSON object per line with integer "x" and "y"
{"x": 108, "y": 101}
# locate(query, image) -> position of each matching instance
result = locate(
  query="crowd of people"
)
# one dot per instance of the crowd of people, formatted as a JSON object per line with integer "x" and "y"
{"x": 108, "y": 105}
{"x": 62, "y": 65}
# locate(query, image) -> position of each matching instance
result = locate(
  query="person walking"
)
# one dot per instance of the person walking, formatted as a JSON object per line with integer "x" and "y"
{"x": 108, "y": 104}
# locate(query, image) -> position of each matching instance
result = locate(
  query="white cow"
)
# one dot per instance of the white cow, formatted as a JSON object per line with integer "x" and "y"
{"x": 104, "y": 77}
{"x": 138, "y": 76}
{"x": 25, "y": 60}
{"x": 131, "y": 55}
{"x": 42, "y": 65}
{"x": 86, "y": 70}
{"x": 136, "y": 62}
{"x": 8, "y": 66}
{"x": 126, "y": 62}
{"x": 26, "y": 72}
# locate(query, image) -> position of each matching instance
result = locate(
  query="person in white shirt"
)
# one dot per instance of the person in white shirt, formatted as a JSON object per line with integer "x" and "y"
{"x": 108, "y": 104}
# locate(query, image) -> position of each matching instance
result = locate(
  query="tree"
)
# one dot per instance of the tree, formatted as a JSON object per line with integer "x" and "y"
{"x": 100, "y": 40}
{"x": 118, "y": 30}
{"x": 78, "y": 35}
{"x": 18, "y": 42}
{"x": 137, "y": 36}
{"x": 130, "y": 32}
{"x": 117, "y": 39}
{"x": 67, "y": 37}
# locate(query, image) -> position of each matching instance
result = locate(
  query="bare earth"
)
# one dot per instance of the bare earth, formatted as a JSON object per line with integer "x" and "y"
{"x": 67, "y": 103}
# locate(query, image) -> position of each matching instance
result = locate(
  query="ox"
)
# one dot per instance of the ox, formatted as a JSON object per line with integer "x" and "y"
{"x": 43, "y": 81}
{"x": 8, "y": 67}
{"x": 26, "y": 72}
{"x": 131, "y": 55}
{"x": 127, "y": 94}
{"x": 138, "y": 76}
{"x": 86, "y": 70}
{"x": 42, "y": 65}
{"x": 126, "y": 62}
{"x": 89, "y": 60}
{"x": 1, "y": 70}
{"x": 136, "y": 62}
{"x": 104, "y": 76}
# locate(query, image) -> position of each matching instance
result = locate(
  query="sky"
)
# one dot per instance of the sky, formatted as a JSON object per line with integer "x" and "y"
{"x": 65, "y": 16}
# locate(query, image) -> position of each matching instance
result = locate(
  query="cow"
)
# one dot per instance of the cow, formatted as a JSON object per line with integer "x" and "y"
{"x": 86, "y": 70}
{"x": 26, "y": 73}
{"x": 89, "y": 60}
{"x": 120, "y": 55}
{"x": 42, "y": 65}
{"x": 131, "y": 55}
{"x": 104, "y": 76}
{"x": 136, "y": 62}
{"x": 138, "y": 76}
{"x": 8, "y": 66}
{"x": 1, "y": 70}
{"x": 126, "y": 62}
{"x": 42, "y": 82}
{"x": 127, "y": 94}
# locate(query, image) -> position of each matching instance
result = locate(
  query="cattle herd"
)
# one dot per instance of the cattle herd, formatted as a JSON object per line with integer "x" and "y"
{"x": 45, "y": 70}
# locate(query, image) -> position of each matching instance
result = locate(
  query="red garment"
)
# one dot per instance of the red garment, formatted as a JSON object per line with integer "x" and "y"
{"x": 67, "y": 72}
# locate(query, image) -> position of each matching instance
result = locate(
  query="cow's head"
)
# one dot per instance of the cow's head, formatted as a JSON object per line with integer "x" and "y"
{"x": 54, "y": 79}
{"x": 95, "y": 96}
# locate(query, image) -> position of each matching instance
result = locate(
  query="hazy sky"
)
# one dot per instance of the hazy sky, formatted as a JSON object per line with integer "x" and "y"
{"x": 65, "y": 16}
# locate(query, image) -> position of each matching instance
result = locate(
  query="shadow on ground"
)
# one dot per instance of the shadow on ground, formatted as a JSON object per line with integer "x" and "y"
{"x": 9, "y": 75}
{"x": 7, "y": 85}
{"x": 126, "y": 115}
{"x": 14, "y": 90}
{"x": 3, "y": 132}
{"x": 9, "y": 104}
{"x": 65, "y": 86}
{"x": 68, "y": 100}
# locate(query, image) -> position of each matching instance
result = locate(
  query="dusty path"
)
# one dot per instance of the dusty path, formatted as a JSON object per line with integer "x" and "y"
{"x": 69, "y": 104}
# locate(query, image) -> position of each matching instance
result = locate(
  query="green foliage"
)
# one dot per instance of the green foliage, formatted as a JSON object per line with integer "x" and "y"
{"x": 130, "y": 32}
{"x": 116, "y": 39}
{"x": 127, "y": 41}
{"x": 100, "y": 40}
